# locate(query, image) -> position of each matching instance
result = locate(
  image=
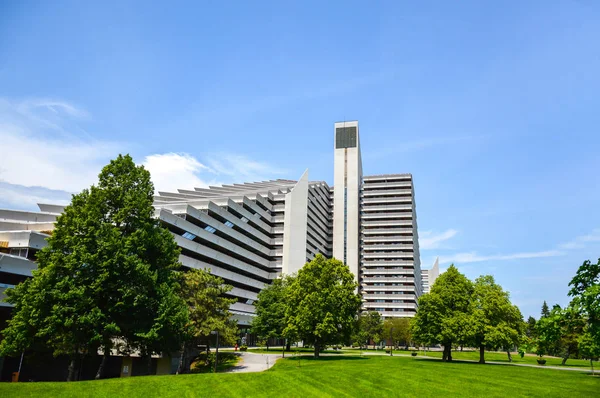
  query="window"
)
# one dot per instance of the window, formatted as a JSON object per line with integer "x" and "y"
{"x": 380, "y": 301}
{"x": 189, "y": 236}
{"x": 210, "y": 229}
{"x": 229, "y": 224}
{"x": 21, "y": 252}
{"x": 244, "y": 219}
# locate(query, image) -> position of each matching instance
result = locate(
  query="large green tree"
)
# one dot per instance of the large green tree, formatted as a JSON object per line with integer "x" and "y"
{"x": 559, "y": 332}
{"x": 269, "y": 321}
{"x": 398, "y": 329}
{"x": 494, "y": 322}
{"x": 322, "y": 303}
{"x": 208, "y": 309}
{"x": 444, "y": 314}
{"x": 106, "y": 276}
{"x": 585, "y": 290}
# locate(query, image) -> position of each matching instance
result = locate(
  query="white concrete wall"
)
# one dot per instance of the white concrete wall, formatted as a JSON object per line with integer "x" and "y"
{"x": 347, "y": 161}
{"x": 295, "y": 226}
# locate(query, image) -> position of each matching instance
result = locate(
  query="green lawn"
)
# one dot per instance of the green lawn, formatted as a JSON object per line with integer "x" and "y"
{"x": 336, "y": 376}
{"x": 502, "y": 357}
{"x": 295, "y": 350}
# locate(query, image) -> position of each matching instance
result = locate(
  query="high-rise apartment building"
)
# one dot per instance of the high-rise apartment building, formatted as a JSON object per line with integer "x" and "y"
{"x": 390, "y": 266}
{"x": 250, "y": 233}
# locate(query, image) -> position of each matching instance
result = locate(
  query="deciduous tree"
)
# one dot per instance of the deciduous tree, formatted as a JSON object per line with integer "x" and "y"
{"x": 269, "y": 321}
{"x": 444, "y": 314}
{"x": 494, "y": 322}
{"x": 106, "y": 275}
{"x": 208, "y": 309}
{"x": 322, "y": 303}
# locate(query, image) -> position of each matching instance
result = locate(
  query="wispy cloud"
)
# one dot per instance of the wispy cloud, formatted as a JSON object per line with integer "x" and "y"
{"x": 46, "y": 149}
{"x": 417, "y": 145}
{"x": 581, "y": 241}
{"x": 473, "y": 257}
{"x": 429, "y": 240}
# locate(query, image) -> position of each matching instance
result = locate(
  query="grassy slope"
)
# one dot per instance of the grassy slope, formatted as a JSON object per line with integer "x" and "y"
{"x": 502, "y": 357}
{"x": 336, "y": 376}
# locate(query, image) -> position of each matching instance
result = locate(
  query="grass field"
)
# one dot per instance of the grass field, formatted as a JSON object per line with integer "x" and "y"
{"x": 527, "y": 359}
{"x": 336, "y": 376}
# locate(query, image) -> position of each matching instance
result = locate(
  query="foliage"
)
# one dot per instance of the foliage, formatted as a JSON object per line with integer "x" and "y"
{"x": 369, "y": 327}
{"x": 494, "y": 323}
{"x": 269, "y": 321}
{"x": 530, "y": 330}
{"x": 208, "y": 310}
{"x": 322, "y": 303}
{"x": 444, "y": 314}
{"x": 205, "y": 362}
{"x": 106, "y": 275}
{"x": 399, "y": 329}
{"x": 585, "y": 290}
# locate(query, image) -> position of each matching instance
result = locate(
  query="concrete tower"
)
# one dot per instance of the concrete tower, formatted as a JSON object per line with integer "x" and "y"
{"x": 347, "y": 181}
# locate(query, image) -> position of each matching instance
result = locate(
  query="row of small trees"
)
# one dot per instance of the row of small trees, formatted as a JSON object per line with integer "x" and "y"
{"x": 109, "y": 281}
{"x": 575, "y": 329}
{"x": 459, "y": 312}
{"x": 371, "y": 327}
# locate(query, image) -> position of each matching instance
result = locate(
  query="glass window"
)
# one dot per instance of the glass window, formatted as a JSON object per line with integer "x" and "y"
{"x": 210, "y": 229}
{"x": 189, "y": 236}
{"x": 229, "y": 224}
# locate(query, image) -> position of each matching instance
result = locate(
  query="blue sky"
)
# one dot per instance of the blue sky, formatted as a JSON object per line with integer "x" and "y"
{"x": 492, "y": 107}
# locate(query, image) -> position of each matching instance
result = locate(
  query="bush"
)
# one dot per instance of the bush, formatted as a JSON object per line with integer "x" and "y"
{"x": 244, "y": 348}
{"x": 414, "y": 353}
{"x": 387, "y": 351}
{"x": 204, "y": 363}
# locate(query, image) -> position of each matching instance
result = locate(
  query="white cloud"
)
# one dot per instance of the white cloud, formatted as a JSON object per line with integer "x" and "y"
{"x": 43, "y": 145}
{"x": 428, "y": 240}
{"x": 581, "y": 241}
{"x": 172, "y": 171}
{"x": 473, "y": 257}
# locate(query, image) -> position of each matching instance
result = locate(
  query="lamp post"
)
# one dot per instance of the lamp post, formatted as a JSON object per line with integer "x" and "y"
{"x": 217, "y": 349}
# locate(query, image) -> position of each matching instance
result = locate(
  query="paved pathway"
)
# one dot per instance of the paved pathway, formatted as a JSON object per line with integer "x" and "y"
{"x": 251, "y": 362}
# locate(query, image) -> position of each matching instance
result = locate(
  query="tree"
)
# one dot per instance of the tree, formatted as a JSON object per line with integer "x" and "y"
{"x": 398, "y": 329}
{"x": 106, "y": 275}
{"x": 494, "y": 322}
{"x": 530, "y": 327}
{"x": 370, "y": 328}
{"x": 322, "y": 303}
{"x": 545, "y": 310}
{"x": 585, "y": 290}
{"x": 269, "y": 321}
{"x": 208, "y": 309}
{"x": 443, "y": 315}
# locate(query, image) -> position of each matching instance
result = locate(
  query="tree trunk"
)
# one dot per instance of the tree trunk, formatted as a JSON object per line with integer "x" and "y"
{"x": 71, "y": 374}
{"x": 267, "y": 344}
{"x": 565, "y": 357}
{"x": 181, "y": 367}
{"x": 509, "y": 356}
{"x": 592, "y": 364}
{"x": 100, "y": 372}
{"x": 481, "y": 354}
{"x": 449, "y": 353}
{"x": 317, "y": 347}
{"x": 288, "y": 347}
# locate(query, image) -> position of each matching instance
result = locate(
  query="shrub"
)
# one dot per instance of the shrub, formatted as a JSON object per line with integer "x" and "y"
{"x": 204, "y": 362}
{"x": 414, "y": 353}
{"x": 244, "y": 348}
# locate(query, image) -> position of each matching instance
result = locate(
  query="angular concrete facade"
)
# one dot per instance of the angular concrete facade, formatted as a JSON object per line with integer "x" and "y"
{"x": 250, "y": 233}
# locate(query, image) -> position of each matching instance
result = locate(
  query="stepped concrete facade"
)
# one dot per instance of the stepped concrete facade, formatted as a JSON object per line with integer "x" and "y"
{"x": 250, "y": 233}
